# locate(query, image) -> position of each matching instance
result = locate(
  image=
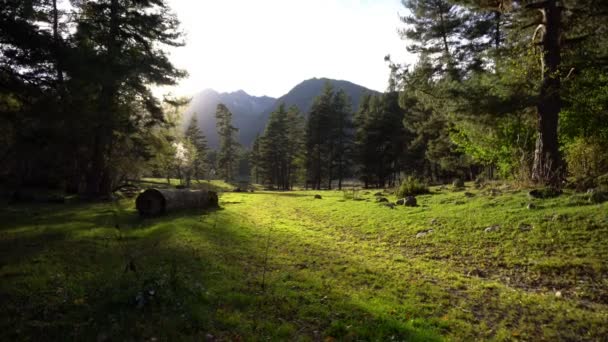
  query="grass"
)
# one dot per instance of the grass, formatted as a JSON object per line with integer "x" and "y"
{"x": 286, "y": 266}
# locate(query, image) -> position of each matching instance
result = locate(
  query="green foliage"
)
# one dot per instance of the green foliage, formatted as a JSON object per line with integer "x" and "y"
{"x": 587, "y": 159}
{"x": 228, "y": 152}
{"x": 412, "y": 186}
{"x": 78, "y": 86}
{"x": 278, "y": 152}
{"x": 328, "y": 139}
{"x": 197, "y": 140}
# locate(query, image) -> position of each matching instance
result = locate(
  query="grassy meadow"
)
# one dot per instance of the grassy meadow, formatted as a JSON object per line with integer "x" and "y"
{"x": 462, "y": 266}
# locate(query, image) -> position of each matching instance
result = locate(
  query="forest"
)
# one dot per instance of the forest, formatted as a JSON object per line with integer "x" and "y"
{"x": 494, "y": 144}
{"x": 505, "y": 90}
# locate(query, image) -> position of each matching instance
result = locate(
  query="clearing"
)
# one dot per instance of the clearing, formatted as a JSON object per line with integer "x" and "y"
{"x": 286, "y": 266}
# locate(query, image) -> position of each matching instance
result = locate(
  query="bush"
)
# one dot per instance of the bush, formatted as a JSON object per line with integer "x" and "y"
{"x": 411, "y": 187}
{"x": 458, "y": 184}
{"x": 587, "y": 160}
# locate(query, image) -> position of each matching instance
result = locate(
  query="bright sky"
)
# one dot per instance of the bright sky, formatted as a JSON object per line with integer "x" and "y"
{"x": 266, "y": 47}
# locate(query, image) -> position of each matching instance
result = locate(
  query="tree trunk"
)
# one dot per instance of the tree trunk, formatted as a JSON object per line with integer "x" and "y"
{"x": 547, "y": 161}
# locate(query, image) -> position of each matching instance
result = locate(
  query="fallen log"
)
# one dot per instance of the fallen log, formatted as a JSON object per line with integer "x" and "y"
{"x": 154, "y": 202}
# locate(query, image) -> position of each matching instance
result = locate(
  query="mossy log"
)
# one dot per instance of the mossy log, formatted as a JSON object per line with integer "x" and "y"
{"x": 154, "y": 202}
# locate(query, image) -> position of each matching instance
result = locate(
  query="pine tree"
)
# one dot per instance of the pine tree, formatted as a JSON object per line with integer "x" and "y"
{"x": 255, "y": 157}
{"x": 280, "y": 148}
{"x": 196, "y": 138}
{"x": 228, "y": 152}
{"x": 319, "y": 146}
{"x": 342, "y": 135}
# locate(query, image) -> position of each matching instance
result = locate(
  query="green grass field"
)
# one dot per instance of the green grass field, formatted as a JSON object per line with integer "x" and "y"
{"x": 286, "y": 266}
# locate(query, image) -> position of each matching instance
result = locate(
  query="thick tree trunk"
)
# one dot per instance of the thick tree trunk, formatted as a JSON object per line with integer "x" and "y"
{"x": 99, "y": 180}
{"x": 547, "y": 161}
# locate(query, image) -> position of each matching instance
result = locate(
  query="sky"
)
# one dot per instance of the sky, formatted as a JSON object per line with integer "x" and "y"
{"x": 266, "y": 47}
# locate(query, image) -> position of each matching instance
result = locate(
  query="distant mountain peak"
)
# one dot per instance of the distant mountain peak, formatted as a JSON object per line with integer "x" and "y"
{"x": 250, "y": 113}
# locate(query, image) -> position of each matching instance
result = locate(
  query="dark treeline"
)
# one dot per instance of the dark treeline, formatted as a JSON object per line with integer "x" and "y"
{"x": 76, "y": 107}
{"x": 508, "y": 89}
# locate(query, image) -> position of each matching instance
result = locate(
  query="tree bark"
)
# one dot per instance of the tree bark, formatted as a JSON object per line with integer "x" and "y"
{"x": 547, "y": 161}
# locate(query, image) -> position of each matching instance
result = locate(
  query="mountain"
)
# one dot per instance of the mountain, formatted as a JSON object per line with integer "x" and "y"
{"x": 303, "y": 95}
{"x": 244, "y": 107}
{"x": 250, "y": 113}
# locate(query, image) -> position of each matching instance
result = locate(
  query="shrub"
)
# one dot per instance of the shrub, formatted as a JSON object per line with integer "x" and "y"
{"x": 412, "y": 186}
{"x": 587, "y": 160}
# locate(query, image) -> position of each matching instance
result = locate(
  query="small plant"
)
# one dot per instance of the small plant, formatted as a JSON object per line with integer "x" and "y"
{"x": 412, "y": 186}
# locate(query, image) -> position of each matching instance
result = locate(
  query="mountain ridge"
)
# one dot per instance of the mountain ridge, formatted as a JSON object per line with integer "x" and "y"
{"x": 250, "y": 113}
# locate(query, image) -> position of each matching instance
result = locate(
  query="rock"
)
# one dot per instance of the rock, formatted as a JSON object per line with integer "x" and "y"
{"x": 494, "y": 192}
{"x": 390, "y": 205}
{"x": 424, "y": 233}
{"x": 531, "y": 206}
{"x": 317, "y": 196}
{"x": 544, "y": 193}
{"x": 238, "y": 190}
{"x": 378, "y": 194}
{"x": 458, "y": 183}
{"x": 558, "y": 294}
{"x": 469, "y": 194}
{"x": 491, "y": 229}
{"x": 524, "y": 227}
{"x": 434, "y": 221}
{"x": 381, "y": 199}
{"x": 410, "y": 201}
{"x": 251, "y": 190}
{"x": 400, "y": 201}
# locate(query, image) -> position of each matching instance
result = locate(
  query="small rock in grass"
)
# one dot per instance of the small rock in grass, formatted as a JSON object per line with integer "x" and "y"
{"x": 390, "y": 205}
{"x": 317, "y": 196}
{"x": 434, "y": 221}
{"x": 400, "y": 201}
{"x": 469, "y": 194}
{"x": 381, "y": 199}
{"x": 476, "y": 272}
{"x": 378, "y": 194}
{"x": 558, "y": 217}
{"x": 531, "y": 206}
{"x": 558, "y": 294}
{"x": 424, "y": 233}
{"x": 494, "y": 192}
{"x": 493, "y": 228}
{"x": 410, "y": 201}
{"x": 524, "y": 227}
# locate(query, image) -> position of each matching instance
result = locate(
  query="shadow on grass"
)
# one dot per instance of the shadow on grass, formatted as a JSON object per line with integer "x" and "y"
{"x": 183, "y": 275}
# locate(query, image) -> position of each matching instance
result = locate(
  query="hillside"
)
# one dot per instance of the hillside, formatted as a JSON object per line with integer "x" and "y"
{"x": 250, "y": 113}
{"x": 245, "y": 109}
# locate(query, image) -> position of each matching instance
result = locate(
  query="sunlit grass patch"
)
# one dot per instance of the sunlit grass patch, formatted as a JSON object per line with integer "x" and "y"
{"x": 284, "y": 265}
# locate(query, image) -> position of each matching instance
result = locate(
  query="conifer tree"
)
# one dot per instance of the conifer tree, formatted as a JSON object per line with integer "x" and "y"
{"x": 228, "y": 152}
{"x": 197, "y": 140}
